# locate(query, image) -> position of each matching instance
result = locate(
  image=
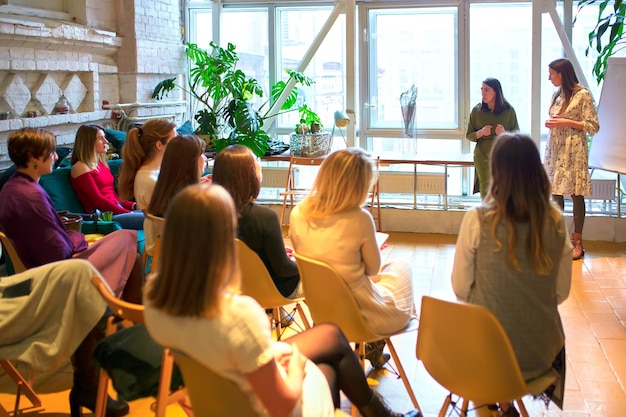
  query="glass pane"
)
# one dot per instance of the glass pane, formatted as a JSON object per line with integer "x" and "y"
{"x": 251, "y": 43}
{"x": 500, "y": 40}
{"x": 200, "y": 27}
{"x": 404, "y": 44}
{"x": 297, "y": 28}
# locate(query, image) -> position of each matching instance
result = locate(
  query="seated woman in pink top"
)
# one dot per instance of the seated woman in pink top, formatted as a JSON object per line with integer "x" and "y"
{"x": 93, "y": 182}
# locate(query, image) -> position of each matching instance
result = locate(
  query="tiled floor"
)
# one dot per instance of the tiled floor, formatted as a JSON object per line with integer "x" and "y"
{"x": 594, "y": 317}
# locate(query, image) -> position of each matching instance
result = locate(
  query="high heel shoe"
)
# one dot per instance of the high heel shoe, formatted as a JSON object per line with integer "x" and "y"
{"x": 87, "y": 398}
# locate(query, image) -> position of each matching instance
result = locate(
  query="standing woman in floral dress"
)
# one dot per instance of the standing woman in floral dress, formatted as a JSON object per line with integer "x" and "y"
{"x": 573, "y": 116}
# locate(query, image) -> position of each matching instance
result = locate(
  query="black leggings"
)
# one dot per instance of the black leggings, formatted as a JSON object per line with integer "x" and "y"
{"x": 578, "y": 208}
{"x": 327, "y": 347}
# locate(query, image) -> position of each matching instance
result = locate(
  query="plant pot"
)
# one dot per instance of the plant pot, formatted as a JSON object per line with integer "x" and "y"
{"x": 310, "y": 144}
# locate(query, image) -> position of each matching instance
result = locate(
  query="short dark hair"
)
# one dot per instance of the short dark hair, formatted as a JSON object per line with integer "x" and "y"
{"x": 29, "y": 143}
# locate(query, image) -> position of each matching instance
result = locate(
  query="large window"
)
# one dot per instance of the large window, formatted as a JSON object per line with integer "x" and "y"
{"x": 443, "y": 47}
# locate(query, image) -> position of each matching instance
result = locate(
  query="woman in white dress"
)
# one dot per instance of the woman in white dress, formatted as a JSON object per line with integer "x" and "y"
{"x": 193, "y": 305}
{"x": 331, "y": 225}
{"x": 573, "y": 116}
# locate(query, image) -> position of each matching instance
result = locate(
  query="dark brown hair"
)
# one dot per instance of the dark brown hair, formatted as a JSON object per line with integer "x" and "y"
{"x": 569, "y": 81}
{"x": 199, "y": 257}
{"x": 500, "y": 104}
{"x": 178, "y": 170}
{"x": 235, "y": 170}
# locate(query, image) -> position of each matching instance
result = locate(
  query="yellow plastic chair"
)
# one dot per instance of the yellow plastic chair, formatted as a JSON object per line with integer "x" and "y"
{"x": 210, "y": 393}
{"x": 133, "y": 314}
{"x": 156, "y": 250}
{"x": 24, "y": 385}
{"x": 257, "y": 282}
{"x": 18, "y": 265}
{"x": 330, "y": 300}
{"x": 466, "y": 350}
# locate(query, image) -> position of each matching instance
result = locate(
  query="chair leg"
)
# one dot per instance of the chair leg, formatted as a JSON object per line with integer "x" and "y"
{"x": 464, "y": 407}
{"x": 24, "y": 386}
{"x": 445, "y": 406}
{"x": 305, "y": 320}
{"x": 522, "y": 407}
{"x": 167, "y": 364}
{"x": 402, "y": 373}
{"x": 102, "y": 394}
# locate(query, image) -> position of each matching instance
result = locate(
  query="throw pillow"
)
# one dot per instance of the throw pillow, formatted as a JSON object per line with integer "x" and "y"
{"x": 185, "y": 129}
{"x": 117, "y": 138}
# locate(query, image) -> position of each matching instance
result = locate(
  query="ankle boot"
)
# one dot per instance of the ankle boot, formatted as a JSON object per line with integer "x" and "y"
{"x": 577, "y": 242}
{"x": 374, "y": 353}
{"x": 376, "y": 407}
{"x": 85, "y": 387}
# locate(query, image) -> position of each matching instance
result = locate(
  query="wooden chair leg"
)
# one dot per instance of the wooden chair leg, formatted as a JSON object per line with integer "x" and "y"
{"x": 522, "y": 407}
{"x": 402, "y": 373}
{"x": 305, "y": 320}
{"x": 445, "y": 406}
{"x": 24, "y": 386}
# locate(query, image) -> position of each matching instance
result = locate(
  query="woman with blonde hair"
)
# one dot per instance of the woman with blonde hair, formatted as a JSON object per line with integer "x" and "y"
{"x": 331, "y": 225}
{"x": 193, "y": 304}
{"x": 93, "y": 182}
{"x": 142, "y": 155}
{"x": 238, "y": 170}
{"x": 513, "y": 256}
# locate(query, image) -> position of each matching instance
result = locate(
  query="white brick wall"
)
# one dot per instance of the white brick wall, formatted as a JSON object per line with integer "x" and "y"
{"x": 121, "y": 51}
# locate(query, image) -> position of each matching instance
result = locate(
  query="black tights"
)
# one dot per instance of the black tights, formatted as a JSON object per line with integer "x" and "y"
{"x": 327, "y": 347}
{"x": 578, "y": 204}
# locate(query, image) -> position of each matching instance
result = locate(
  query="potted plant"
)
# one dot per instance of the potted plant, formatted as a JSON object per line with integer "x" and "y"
{"x": 309, "y": 139}
{"x": 609, "y": 28}
{"x": 225, "y": 94}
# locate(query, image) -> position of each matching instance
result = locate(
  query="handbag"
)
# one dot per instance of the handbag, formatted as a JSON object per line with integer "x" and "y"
{"x": 71, "y": 221}
{"x": 133, "y": 361}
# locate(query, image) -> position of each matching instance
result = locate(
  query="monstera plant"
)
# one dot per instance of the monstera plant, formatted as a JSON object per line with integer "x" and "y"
{"x": 607, "y": 37}
{"x": 225, "y": 97}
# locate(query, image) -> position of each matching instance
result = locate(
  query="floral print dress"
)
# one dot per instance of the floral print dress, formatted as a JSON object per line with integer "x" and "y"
{"x": 566, "y": 157}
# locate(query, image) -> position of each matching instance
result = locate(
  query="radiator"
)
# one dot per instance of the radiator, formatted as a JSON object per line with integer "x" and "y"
{"x": 274, "y": 177}
{"x": 403, "y": 183}
{"x": 601, "y": 189}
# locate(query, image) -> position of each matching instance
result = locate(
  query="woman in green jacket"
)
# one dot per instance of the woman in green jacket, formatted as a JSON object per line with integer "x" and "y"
{"x": 490, "y": 118}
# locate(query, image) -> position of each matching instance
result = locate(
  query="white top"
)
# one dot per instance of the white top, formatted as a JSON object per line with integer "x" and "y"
{"x": 466, "y": 245}
{"x": 145, "y": 181}
{"x": 235, "y": 343}
{"x": 347, "y": 242}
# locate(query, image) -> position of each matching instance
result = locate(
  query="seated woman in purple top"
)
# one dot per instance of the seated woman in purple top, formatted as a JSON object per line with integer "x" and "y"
{"x": 28, "y": 218}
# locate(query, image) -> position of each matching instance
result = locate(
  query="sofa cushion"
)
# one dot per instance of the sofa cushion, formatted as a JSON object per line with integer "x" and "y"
{"x": 57, "y": 185}
{"x": 117, "y": 138}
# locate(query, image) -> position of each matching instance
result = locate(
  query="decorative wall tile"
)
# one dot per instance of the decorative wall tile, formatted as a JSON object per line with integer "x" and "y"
{"x": 15, "y": 93}
{"x": 47, "y": 92}
{"x": 75, "y": 91}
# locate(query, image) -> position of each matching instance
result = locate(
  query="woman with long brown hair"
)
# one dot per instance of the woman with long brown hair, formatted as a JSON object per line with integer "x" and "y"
{"x": 237, "y": 169}
{"x": 513, "y": 256}
{"x": 183, "y": 163}
{"x": 573, "y": 116}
